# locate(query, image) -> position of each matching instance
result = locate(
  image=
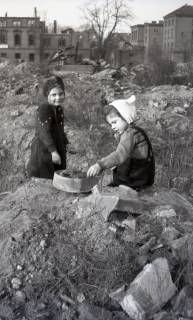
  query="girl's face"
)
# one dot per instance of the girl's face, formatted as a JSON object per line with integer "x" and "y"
{"x": 56, "y": 96}
{"x": 117, "y": 124}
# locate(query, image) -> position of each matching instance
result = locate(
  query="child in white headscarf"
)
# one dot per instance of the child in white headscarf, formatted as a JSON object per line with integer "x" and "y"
{"x": 133, "y": 160}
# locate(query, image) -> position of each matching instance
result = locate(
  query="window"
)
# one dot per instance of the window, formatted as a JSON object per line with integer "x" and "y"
{"x": 31, "y": 40}
{"x": 31, "y": 57}
{"x": 17, "y": 56}
{"x": 46, "y": 55}
{"x": 3, "y": 37}
{"x": 3, "y": 55}
{"x": 2, "y": 23}
{"x": 17, "y": 23}
{"x": 47, "y": 42}
{"x": 31, "y": 23}
{"x": 17, "y": 39}
{"x": 61, "y": 42}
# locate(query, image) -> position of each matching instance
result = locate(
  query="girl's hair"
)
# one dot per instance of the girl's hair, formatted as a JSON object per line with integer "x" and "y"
{"x": 109, "y": 110}
{"x": 52, "y": 82}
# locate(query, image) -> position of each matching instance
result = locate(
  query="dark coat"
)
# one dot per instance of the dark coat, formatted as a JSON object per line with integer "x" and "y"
{"x": 49, "y": 137}
{"x": 137, "y": 173}
{"x": 133, "y": 160}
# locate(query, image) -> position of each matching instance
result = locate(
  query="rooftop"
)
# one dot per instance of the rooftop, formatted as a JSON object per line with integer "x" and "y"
{"x": 154, "y": 24}
{"x": 184, "y": 11}
{"x": 138, "y": 26}
{"x": 18, "y": 18}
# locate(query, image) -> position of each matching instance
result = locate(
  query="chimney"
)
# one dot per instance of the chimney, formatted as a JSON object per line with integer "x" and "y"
{"x": 55, "y": 26}
{"x": 35, "y": 12}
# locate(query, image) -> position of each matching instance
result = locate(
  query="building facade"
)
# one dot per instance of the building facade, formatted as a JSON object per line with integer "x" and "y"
{"x": 178, "y": 34}
{"x": 20, "y": 38}
{"x": 148, "y": 39}
{"x": 27, "y": 39}
{"x": 153, "y": 39}
{"x": 137, "y": 35}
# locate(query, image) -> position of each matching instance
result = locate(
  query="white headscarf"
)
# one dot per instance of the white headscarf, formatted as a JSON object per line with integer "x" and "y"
{"x": 126, "y": 108}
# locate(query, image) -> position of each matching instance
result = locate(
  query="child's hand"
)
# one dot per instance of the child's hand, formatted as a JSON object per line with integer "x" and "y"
{"x": 93, "y": 170}
{"x": 56, "y": 158}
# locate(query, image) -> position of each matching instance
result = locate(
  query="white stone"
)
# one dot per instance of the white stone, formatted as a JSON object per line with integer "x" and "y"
{"x": 150, "y": 290}
{"x": 16, "y": 283}
{"x": 165, "y": 211}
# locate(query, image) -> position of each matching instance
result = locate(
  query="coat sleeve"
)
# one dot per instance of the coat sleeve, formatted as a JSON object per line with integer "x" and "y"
{"x": 121, "y": 154}
{"x": 44, "y": 123}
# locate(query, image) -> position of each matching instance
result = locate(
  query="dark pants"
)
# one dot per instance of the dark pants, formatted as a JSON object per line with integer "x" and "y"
{"x": 137, "y": 174}
{"x": 40, "y": 164}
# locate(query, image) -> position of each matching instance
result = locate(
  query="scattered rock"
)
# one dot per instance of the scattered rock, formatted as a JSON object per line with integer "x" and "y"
{"x": 127, "y": 192}
{"x": 151, "y": 289}
{"x": 20, "y": 297}
{"x": 16, "y": 283}
{"x": 183, "y": 248}
{"x": 169, "y": 234}
{"x": 184, "y": 303}
{"x": 147, "y": 246}
{"x": 15, "y": 114}
{"x": 163, "y": 315}
{"x": 89, "y": 312}
{"x": 165, "y": 211}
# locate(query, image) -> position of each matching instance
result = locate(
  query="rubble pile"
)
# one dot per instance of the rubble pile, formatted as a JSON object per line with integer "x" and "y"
{"x": 112, "y": 254}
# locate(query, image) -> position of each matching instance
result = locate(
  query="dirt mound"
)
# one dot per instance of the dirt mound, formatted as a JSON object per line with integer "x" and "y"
{"x": 59, "y": 252}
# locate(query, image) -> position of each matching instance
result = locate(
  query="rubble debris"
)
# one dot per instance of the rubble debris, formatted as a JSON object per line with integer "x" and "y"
{"x": 20, "y": 297}
{"x": 143, "y": 250}
{"x": 165, "y": 211}
{"x": 150, "y": 290}
{"x": 89, "y": 312}
{"x": 182, "y": 248}
{"x": 183, "y": 305}
{"x": 16, "y": 283}
{"x": 106, "y": 204}
{"x": 169, "y": 234}
{"x": 127, "y": 192}
{"x": 163, "y": 315}
{"x": 19, "y": 90}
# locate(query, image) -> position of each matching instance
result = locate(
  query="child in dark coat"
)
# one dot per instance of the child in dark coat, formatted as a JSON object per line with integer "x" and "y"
{"x": 48, "y": 150}
{"x": 133, "y": 161}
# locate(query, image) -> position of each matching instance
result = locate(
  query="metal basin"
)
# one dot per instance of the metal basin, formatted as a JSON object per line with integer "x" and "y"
{"x": 63, "y": 181}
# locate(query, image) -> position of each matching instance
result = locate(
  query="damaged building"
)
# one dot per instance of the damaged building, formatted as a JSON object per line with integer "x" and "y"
{"x": 28, "y": 39}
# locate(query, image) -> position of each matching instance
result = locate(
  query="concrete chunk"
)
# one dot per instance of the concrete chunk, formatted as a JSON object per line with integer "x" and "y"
{"x": 182, "y": 248}
{"x": 164, "y": 211}
{"x": 150, "y": 290}
{"x": 127, "y": 192}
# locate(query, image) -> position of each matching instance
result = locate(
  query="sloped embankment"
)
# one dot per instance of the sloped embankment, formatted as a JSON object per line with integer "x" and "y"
{"x": 61, "y": 255}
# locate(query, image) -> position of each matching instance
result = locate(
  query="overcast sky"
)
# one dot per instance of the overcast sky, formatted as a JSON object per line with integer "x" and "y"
{"x": 67, "y": 12}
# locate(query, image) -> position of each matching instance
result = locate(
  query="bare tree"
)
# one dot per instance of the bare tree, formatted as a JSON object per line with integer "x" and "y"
{"x": 103, "y": 18}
